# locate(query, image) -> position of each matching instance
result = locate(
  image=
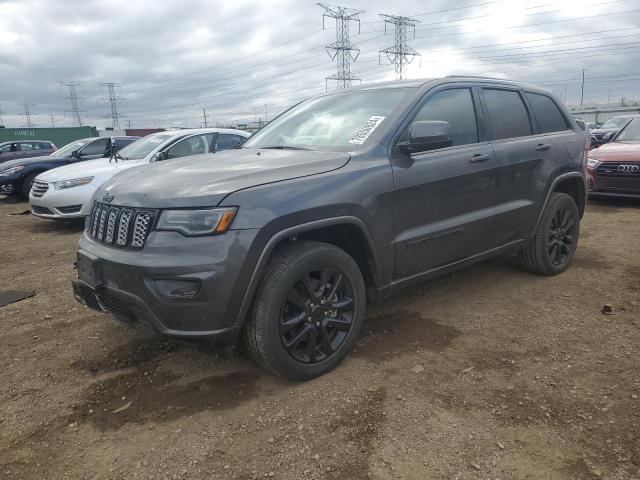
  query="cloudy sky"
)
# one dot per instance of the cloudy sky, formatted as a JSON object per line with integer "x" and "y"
{"x": 245, "y": 60}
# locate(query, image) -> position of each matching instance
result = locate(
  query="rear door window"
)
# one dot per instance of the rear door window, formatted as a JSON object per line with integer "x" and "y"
{"x": 226, "y": 141}
{"x": 549, "y": 117}
{"x": 508, "y": 116}
{"x": 25, "y": 147}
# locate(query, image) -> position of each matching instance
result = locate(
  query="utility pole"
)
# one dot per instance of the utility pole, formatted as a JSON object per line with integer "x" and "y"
{"x": 1, "y": 117}
{"x": 344, "y": 52}
{"x": 565, "y": 95}
{"x": 129, "y": 124}
{"x": 609, "y": 97}
{"x": 582, "y": 94}
{"x": 113, "y": 100}
{"x": 53, "y": 121}
{"x": 27, "y": 114}
{"x": 73, "y": 101}
{"x": 205, "y": 116}
{"x": 266, "y": 114}
{"x": 400, "y": 53}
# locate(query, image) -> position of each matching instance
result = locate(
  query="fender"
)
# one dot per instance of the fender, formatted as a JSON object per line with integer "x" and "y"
{"x": 550, "y": 190}
{"x": 292, "y": 231}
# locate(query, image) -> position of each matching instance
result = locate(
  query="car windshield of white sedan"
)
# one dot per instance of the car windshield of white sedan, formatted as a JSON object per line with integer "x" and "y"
{"x": 340, "y": 122}
{"x": 631, "y": 133}
{"x": 143, "y": 147}
{"x": 70, "y": 147}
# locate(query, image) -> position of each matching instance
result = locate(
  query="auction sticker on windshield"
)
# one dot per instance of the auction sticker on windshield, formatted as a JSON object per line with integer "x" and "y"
{"x": 367, "y": 129}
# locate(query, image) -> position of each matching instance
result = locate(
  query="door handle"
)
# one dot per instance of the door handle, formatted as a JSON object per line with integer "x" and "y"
{"x": 479, "y": 157}
{"x": 543, "y": 146}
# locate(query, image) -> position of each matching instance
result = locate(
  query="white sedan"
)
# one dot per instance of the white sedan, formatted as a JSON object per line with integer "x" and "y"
{"x": 65, "y": 192}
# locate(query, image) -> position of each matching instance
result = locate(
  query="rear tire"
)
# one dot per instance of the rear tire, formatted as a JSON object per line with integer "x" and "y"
{"x": 27, "y": 184}
{"x": 554, "y": 244}
{"x": 308, "y": 312}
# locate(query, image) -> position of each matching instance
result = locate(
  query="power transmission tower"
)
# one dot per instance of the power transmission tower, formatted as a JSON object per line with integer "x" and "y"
{"x": 399, "y": 54}
{"x": 205, "y": 116}
{"x": 73, "y": 101}
{"x": 27, "y": 115}
{"x": 582, "y": 92}
{"x": 113, "y": 100}
{"x": 53, "y": 121}
{"x": 344, "y": 51}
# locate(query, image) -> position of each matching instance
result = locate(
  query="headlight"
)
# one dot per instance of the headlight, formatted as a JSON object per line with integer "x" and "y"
{"x": 72, "y": 183}
{"x": 10, "y": 171}
{"x": 592, "y": 162}
{"x": 197, "y": 222}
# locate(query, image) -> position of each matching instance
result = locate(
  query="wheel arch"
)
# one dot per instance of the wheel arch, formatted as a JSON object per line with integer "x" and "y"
{"x": 571, "y": 183}
{"x": 345, "y": 232}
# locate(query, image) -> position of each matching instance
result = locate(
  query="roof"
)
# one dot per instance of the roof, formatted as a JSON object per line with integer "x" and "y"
{"x": 421, "y": 82}
{"x": 25, "y": 140}
{"x": 191, "y": 131}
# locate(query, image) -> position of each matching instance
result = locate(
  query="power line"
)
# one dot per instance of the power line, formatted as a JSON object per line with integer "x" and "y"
{"x": 344, "y": 50}
{"x": 113, "y": 101}
{"x": 73, "y": 100}
{"x": 204, "y": 116}
{"x": 27, "y": 114}
{"x": 400, "y": 54}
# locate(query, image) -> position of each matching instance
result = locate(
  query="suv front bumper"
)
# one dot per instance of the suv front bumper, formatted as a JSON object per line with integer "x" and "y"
{"x": 175, "y": 286}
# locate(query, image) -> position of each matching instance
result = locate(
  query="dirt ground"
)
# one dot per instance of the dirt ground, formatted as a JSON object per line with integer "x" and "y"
{"x": 489, "y": 373}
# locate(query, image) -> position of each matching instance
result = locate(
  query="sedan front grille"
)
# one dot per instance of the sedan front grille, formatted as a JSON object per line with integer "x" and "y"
{"x": 39, "y": 189}
{"x": 120, "y": 226}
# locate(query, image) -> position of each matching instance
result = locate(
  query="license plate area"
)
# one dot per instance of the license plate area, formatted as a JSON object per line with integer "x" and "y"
{"x": 89, "y": 270}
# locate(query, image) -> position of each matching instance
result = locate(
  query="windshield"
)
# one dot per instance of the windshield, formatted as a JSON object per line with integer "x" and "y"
{"x": 143, "y": 147}
{"x": 335, "y": 123}
{"x": 615, "y": 122}
{"x": 631, "y": 133}
{"x": 70, "y": 147}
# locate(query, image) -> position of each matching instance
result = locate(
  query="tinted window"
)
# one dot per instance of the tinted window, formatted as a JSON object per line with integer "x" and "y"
{"x": 508, "y": 116}
{"x": 549, "y": 116}
{"x": 455, "y": 107}
{"x": 97, "y": 147}
{"x": 26, "y": 147}
{"x": 122, "y": 142}
{"x": 6, "y": 148}
{"x": 43, "y": 146}
{"x": 195, "y": 145}
{"x": 226, "y": 141}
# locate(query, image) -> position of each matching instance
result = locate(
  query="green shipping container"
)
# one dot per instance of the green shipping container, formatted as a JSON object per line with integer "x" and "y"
{"x": 59, "y": 136}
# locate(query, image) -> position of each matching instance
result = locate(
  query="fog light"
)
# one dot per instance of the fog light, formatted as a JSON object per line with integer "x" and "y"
{"x": 178, "y": 288}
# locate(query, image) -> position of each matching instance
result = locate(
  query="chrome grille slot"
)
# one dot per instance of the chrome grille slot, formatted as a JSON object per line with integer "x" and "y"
{"x": 120, "y": 226}
{"x": 140, "y": 229}
{"x": 123, "y": 228}
{"x": 39, "y": 189}
{"x": 111, "y": 224}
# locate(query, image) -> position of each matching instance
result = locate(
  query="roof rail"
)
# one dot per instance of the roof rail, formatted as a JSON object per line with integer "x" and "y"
{"x": 477, "y": 76}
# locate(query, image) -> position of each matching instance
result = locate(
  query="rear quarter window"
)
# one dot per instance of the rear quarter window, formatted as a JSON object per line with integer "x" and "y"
{"x": 508, "y": 116}
{"x": 550, "y": 118}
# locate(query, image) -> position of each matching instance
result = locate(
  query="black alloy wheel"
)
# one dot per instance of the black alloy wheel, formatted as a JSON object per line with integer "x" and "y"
{"x": 562, "y": 235}
{"x": 317, "y": 315}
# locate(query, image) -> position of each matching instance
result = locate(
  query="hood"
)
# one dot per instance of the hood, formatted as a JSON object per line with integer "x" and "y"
{"x": 204, "y": 180}
{"x": 617, "y": 152}
{"x": 89, "y": 168}
{"x": 26, "y": 161}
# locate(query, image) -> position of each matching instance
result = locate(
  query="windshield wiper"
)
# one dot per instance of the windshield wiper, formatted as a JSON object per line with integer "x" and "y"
{"x": 285, "y": 147}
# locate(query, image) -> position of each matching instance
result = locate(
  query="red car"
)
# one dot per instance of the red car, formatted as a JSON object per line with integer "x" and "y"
{"x": 614, "y": 168}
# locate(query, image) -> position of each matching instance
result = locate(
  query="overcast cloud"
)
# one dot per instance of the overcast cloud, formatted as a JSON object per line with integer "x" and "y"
{"x": 241, "y": 58}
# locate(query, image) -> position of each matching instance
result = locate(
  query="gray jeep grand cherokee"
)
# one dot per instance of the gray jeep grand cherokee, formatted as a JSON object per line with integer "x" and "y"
{"x": 343, "y": 197}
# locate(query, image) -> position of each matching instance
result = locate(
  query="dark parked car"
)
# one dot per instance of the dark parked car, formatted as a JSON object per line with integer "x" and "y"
{"x": 23, "y": 149}
{"x": 614, "y": 168}
{"x": 344, "y": 197}
{"x": 609, "y": 129}
{"x": 17, "y": 176}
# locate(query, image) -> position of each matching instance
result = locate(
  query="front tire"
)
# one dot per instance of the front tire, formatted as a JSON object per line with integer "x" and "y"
{"x": 27, "y": 184}
{"x": 554, "y": 244}
{"x": 308, "y": 313}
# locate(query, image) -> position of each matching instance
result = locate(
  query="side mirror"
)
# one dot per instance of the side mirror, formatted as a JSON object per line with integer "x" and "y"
{"x": 582, "y": 125}
{"x": 427, "y": 135}
{"x": 607, "y": 137}
{"x": 75, "y": 154}
{"x": 158, "y": 156}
